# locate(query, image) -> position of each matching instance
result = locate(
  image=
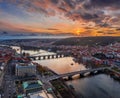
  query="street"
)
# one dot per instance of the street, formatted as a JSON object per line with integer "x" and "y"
{"x": 8, "y": 83}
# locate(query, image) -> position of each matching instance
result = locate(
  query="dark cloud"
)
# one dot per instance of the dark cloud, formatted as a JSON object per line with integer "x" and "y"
{"x": 62, "y": 9}
{"x": 70, "y": 3}
{"x": 88, "y": 16}
{"x": 111, "y": 33}
{"x": 104, "y": 25}
{"x": 100, "y": 32}
{"x": 88, "y": 28}
{"x": 105, "y": 3}
{"x": 78, "y": 10}
{"x": 113, "y": 4}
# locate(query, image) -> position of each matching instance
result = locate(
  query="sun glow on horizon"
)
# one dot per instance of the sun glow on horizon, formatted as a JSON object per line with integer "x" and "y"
{"x": 60, "y": 17}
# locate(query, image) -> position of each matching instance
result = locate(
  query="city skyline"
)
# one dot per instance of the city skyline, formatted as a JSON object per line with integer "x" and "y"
{"x": 77, "y": 17}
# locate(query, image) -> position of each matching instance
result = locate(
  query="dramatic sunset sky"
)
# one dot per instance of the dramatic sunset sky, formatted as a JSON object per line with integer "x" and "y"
{"x": 78, "y": 17}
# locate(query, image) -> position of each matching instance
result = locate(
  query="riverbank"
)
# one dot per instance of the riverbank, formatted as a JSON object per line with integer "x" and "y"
{"x": 63, "y": 89}
{"x": 61, "y": 86}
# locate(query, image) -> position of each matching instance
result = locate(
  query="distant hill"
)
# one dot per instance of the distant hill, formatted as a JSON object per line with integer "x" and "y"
{"x": 91, "y": 41}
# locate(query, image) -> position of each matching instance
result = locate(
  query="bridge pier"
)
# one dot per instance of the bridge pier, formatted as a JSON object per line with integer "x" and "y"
{"x": 103, "y": 70}
{"x": 34, "y": 58}
{"x": 61, "y": 55}
{"x": 39, "y": 58}
{"x": 100, "y": 71}
{"x": 48, "y": 56}
{"x": 57, "y": 56}
{"x": 81, "y": 75}
{"x": 69, "y": 77}
{"x": 52, "y": 56}
{"x": 43, "y": 57}
{"x": 93, "y": 72}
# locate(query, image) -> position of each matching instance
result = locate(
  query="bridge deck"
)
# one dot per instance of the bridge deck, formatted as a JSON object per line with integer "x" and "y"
{"x": 83, "y": 71}
{"x": 76, "y": 72}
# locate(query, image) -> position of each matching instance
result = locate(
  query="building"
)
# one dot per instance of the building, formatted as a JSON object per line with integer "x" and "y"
{"x": 32, "y": 86}
{"x": 117, "y": 62}
{"x": 34, "y": 89}
{"x": 25, "y": 69}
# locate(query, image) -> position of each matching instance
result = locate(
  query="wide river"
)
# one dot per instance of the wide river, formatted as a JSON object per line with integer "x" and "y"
{"x": 99, "y": 86}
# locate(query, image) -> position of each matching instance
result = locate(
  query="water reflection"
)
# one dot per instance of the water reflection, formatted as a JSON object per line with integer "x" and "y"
{"x": 62, "y": 65}
{"x": 99, "y": 86}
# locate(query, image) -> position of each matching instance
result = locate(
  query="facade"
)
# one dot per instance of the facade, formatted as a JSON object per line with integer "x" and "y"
{"x": 24, "y": 70}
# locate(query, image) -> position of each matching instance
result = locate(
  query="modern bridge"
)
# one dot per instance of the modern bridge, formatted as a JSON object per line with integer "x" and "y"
{"x": 81, "y": 73}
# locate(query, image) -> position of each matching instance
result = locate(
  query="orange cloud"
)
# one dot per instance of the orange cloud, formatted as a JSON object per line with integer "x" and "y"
{"x": 61, "y": 16}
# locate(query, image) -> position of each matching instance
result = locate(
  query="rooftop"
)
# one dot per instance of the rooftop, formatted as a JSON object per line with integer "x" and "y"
{"x": 24, "y": 64}
{"x": 32, "y": 84}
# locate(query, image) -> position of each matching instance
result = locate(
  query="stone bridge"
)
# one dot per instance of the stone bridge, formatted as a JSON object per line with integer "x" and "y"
{"x": 45, "y": 57}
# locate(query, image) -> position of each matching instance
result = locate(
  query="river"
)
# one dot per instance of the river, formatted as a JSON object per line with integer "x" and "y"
{"x": 62, "y": 65}
{"x": 13, "y": 37}
{"x": 98, "y": 86}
